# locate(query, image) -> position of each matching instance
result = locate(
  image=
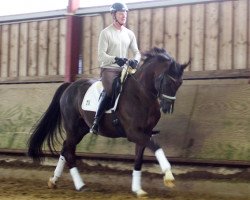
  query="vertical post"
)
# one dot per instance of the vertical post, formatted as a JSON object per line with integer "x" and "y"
{"x": 72, "y": 41}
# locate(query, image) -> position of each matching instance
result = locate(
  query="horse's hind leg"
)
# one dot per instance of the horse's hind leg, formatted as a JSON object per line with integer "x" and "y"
{"x": 78, "y": 182}
{"x": 68, "y": 154}
{"x": 57, "y": 173}
{"x": 163, "y": 161}
{"x": 136, "y": 175}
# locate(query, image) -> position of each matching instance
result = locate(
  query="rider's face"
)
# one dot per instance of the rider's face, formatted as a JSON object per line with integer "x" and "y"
{"x": 121, "y": 17}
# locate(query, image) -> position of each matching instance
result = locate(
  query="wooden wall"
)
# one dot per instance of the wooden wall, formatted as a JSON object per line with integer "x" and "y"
{"x": 214, "y": 34}
{"x": 32, "y": 49}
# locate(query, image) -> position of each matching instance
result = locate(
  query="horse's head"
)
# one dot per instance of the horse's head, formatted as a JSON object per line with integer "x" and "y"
{"x": 167, "y": 75}
{"x": 168, "y": 83}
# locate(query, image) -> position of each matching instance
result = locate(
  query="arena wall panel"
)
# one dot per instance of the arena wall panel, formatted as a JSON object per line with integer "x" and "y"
{"x": 210, "y": 121}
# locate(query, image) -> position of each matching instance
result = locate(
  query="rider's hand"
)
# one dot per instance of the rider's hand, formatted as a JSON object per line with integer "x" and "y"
{"x": 120, "y": 61}
{"x": 133, "y": 63}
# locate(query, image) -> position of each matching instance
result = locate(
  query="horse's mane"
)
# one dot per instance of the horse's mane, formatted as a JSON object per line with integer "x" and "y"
{"x": 159, "y": 53}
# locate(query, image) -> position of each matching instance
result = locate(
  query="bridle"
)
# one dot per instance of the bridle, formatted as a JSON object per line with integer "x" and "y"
{"x": 165, "y": 96}
{"x": 160, "y": 95}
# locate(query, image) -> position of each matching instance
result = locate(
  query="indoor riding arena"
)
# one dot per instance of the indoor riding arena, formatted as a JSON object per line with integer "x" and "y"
{"x": 206, "y": 139}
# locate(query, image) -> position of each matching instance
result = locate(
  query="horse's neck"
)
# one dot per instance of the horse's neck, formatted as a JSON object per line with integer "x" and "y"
{"x": 145, "y": 79}
{"x": 148, "y": 82}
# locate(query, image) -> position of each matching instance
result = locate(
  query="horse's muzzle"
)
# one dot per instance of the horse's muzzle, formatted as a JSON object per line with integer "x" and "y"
{"x": 167, "y": 107}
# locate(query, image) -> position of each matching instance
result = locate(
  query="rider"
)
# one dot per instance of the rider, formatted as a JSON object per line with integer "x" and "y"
{"x": 114, "y": 43}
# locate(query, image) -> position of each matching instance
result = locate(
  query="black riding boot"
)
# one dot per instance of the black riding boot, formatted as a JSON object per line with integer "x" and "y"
{"x": 104, "y": 99}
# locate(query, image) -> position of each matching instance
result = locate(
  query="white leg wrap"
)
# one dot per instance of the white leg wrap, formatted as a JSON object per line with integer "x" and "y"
{"x": 60, "y": 166}
{"x": 78, "y": 182}
{"x": 136, "y": 184}
{"x": 164, "y": 164}
{"x": 59, "y": 169}
{"x": 136, "y": 181}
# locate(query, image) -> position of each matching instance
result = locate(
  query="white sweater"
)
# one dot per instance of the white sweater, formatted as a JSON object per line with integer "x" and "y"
{"x": 116, "y": 43}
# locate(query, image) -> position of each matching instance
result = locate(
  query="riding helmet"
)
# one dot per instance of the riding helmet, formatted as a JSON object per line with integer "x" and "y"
{"x": 118, "y": 7}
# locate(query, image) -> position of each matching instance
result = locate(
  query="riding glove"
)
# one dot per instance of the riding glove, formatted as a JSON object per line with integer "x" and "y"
{"x": 133, "y": 63}
{"x": 120, "y": 61}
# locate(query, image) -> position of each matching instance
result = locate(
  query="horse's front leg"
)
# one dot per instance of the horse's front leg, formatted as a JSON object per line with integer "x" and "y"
{"x": 136, "y": 175}
{"x": 164, "y": 164}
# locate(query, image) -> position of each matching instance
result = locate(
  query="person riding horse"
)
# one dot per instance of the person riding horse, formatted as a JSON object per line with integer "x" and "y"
{"x": 147, "y": 92}
{"x": 115, "y": 41}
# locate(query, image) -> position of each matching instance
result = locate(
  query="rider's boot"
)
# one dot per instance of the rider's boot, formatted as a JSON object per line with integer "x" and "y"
{"x": 104, "y": 99}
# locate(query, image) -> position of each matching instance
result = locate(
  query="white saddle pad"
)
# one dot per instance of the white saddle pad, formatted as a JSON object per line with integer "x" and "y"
{"x": 91, "y": 99}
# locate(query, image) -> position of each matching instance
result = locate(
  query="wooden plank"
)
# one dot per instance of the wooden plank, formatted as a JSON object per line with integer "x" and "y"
{"x": 133, "y": 21}
{"x": 23, "y": 52}
{"x": 158, "y": 27}
{"x": 53, "y": 47}
{"x": 184, "y": 34}
{"x": 197, "y": 41}
{"x": 240, "y": 34}
{"x": 236, "y": 74}
{"x": 217, "y": 74}
{"x": 14, "y": 46}
{"x": 31, "y": 79}
{"x": 0, "y": 47}
{"x": 33, "y": 44}
{"x": 248, "y": 30}
{"x": 108, "y": 19}
{"x": 226, "y": 35}
{"x": 145, "y": 30}
{"x": 5, "y": 51}
{"x": 86, "y": 44}
{"x": 43, "y": 48}
{"x": 171, "y": 30}
{"x": 97, "y": 26}
{"x": 211, "y": 36}
{"x": 62, "y": 46}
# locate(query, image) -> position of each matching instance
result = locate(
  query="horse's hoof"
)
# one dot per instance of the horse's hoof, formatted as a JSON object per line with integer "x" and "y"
{"x": 168, "y": 179}
{"x": 51, "y": 183}
{"x": 141, "y": 194}
{"x": 83, "y": 188}
{"x": 168, "y": 183}
{"x": 80, "y": 186}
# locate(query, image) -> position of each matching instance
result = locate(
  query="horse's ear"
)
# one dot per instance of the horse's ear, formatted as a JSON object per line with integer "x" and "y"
{"x": 184, "y": 66}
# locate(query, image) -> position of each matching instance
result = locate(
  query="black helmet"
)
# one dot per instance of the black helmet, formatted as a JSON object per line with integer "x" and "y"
{"x": 118, "y": 7}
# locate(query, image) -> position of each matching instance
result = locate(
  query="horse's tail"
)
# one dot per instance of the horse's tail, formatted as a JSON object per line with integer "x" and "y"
{"x": 46, "y": 127}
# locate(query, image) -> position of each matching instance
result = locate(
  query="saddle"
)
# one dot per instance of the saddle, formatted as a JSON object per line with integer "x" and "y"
{"x": 92, "y": 96}
{"x": 91, "y": 99}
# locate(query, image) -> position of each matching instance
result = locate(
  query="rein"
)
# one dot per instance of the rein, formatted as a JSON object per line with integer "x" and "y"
{"x": 171, "y": 98}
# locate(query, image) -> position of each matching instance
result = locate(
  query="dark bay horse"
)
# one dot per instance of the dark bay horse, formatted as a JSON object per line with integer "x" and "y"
{"x": 151, "y": 88}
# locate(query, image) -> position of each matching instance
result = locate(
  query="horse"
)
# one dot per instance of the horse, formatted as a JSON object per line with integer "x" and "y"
{"x": 147, "y": 92}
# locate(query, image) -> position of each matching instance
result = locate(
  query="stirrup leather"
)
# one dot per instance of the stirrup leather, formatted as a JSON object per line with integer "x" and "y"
{"x": 94, "y": 128}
